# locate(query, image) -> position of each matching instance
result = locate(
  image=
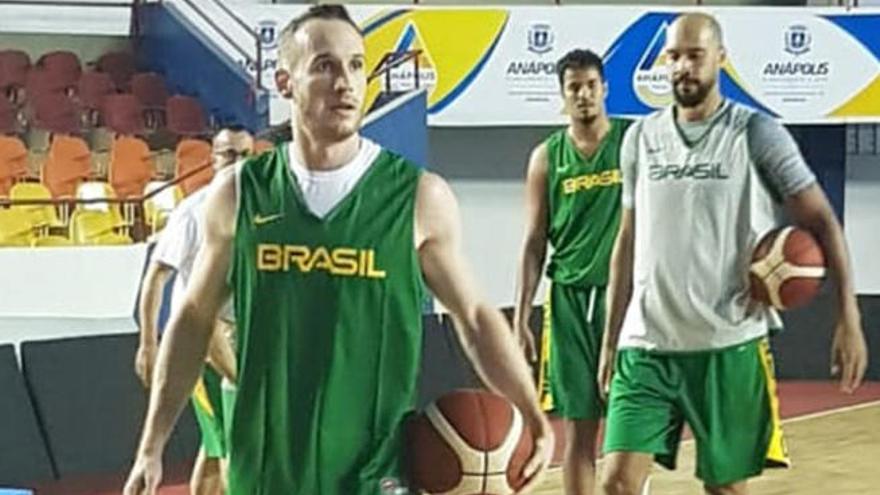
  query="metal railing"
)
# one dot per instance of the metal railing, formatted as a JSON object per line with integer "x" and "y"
{"x": 257, "y": 59}
{"x": 132, "y": 205}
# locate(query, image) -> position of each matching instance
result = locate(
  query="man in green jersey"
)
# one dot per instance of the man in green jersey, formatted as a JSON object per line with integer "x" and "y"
{"x": 572, "y": 201}
{"x": 324, "y": 244}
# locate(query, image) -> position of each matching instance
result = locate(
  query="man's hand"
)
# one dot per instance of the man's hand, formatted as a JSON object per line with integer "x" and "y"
{"x": 849, "y": 354}
{"x": 606, "y": 371}
{"x": 145, "y": 362}
{"x": 526, "y": 340}
{"x": 542, "y": 454}
{"x": 145, "y": 476}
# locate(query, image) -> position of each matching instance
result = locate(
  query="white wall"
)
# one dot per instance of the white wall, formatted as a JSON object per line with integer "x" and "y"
{"x": 862, "y": 221}
{"x": 492, "y": 216}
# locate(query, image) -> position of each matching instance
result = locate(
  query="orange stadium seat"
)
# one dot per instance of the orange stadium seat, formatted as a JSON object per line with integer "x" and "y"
{"x": 13, "y": 162}
{"x": 68, "y": 164}
{"x": 190, "y": 155}
{"x": 131, "y": 166}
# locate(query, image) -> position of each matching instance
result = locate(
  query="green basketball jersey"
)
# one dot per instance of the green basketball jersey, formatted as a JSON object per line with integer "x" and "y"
{"x": 584, "y": 207}
{"x": 329, "y": 331}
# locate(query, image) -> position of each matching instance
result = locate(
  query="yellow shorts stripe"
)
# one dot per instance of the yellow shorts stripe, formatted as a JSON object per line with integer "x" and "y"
{"x": 200, "y": 394}
{"x": 545, "y": 394}
{"x": 777, "y": 451}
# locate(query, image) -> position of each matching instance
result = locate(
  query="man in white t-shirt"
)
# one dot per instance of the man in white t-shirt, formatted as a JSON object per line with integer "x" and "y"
{"x": 175, "y": 252}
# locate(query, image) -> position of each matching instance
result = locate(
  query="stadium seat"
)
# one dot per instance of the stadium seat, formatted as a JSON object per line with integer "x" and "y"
{"x": 123, "y": 114}
{"x": 68, "y": 164}
{"x": 39, "y": 83}
{"x": 131, "y": 166}
{"x": 56, "y": 113}
{"x": 51, "y": 241}
{"x": 185, "y": 116}
{"x": 14, "y": 63}
{"x": 190, "y": 155}
{"x": 158, "y": 208}
{"x": 61, "y": 63}
{"x": 89, "y": 227}
{"x": 13, "y": 163}
{"x": 100, "y": 190}
{"x": 14, "y": 66}
{"x": 93, "y": 87}
{"x": 9, "y": 121}
{"x": 41, "y": 216}
{"x": 16, "y": 229}
{"x": 150, "y": 89}
{"x": 120, "y": 66}
{"x": 58, "y": 75}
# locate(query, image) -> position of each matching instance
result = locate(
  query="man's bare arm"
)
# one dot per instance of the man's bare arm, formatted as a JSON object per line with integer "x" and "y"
{"x": 534, "y": 249}
{"x": 482, "y": 330}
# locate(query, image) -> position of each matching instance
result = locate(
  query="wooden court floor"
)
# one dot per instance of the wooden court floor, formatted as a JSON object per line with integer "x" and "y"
{"x": 833, "y": 453}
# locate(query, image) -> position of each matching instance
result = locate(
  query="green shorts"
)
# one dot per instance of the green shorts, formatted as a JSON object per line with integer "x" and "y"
{"x": 727, "y": 397}
{"x": 207, "y": 405}
{"x": 574, "y": 319}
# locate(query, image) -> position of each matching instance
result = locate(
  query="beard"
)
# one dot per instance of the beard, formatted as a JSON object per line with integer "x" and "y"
{"x": 694, "y": 97}
{"x": 584, "y": 116}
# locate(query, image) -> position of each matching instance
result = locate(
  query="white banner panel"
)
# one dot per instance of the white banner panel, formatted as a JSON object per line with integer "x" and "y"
{"x": 496, "y": 66}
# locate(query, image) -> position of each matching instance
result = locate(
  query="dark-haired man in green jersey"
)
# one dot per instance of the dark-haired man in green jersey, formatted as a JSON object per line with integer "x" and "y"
{"x": 572, "y": 201}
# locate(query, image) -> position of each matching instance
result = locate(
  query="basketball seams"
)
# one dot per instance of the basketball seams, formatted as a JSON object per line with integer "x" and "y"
{"x": 471, "y": 458}
{"x": 774, "y": 270}
{"x": 482, "y": 471}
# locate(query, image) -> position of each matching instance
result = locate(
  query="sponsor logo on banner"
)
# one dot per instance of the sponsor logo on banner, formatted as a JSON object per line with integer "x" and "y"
{"x": 267, "y": 30}
{"x": 403, "y": 77}
{"x": 798, "y": 39}
{"x": 448, "y": 64}
{"x": 540, "y": 38}
{"x": 795, "y": 78}
{"x": 651, "y": 80}
{"x": 532, "y": 78}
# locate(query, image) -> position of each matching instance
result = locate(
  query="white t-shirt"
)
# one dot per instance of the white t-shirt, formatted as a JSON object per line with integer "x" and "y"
{"x": 324, "y": 189}
{"x": 179, "y": 242}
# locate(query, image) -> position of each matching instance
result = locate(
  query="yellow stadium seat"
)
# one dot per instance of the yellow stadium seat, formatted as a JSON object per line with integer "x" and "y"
{"x": 16, "y": 228}
{"x": 41, "y": 215}
{"x": 158, "y": 208}
{"x": 51, "y": 241}
{"x": 100, "y": 190}
{"x": 89, "y": 227}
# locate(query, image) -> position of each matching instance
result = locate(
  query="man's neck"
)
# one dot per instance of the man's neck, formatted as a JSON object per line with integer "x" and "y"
{"x": 321, "y": 155}
{"x": 702, "y": 110}
{"x": 587, "y": 135}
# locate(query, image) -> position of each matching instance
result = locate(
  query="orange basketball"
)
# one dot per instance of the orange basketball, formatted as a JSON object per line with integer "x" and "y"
{"x": 788, "y": 267}
{"x": 468, "y": 442}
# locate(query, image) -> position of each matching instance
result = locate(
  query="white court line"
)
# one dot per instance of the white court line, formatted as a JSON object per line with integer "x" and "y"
{"x": 815, "y": 415}
{"x": 829, "y": 412}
